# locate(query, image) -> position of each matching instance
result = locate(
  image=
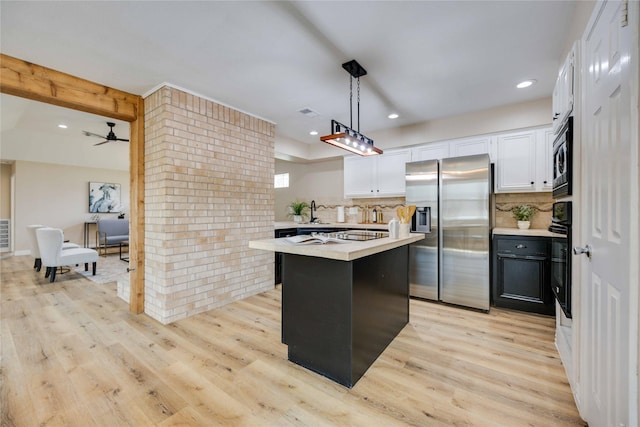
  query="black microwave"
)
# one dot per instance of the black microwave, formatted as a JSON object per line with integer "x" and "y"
{"x": 562, "y": 160}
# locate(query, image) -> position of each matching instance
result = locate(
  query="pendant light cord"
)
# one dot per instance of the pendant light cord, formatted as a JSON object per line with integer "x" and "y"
{"x": 351, "y": 101}
{"x": 358, "y": 104}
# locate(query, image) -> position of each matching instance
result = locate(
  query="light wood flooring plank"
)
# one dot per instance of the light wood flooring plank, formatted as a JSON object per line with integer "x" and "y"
{"x": 72, "y": 354}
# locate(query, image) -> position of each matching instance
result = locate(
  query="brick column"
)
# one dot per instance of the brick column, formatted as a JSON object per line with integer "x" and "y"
{"x": 208, "y": 191}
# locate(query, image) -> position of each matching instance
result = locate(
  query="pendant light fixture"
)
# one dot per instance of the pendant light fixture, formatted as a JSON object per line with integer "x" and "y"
{"x": 346, "y": 137}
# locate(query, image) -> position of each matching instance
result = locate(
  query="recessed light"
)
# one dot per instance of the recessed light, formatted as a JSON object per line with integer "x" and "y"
{"x": 525, "y": 83}
{"x": 393, "y": 116}
{"x": 61, "y": 126}
{"x": 313, "y": 132}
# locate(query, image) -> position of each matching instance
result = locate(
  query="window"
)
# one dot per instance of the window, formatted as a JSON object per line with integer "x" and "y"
{"x": 281, "y": 180}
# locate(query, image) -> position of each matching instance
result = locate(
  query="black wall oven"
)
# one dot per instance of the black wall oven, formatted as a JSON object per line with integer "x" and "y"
{"x": 562, "y": 160}
{"x": 561, "y": 255}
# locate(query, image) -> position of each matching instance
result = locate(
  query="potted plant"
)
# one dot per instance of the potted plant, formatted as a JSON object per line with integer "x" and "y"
{"x": 523, "y": 215}
{"x": 298, "y": 210}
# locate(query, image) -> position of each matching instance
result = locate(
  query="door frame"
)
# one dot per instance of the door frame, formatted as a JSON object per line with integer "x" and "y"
{"x": 31, "y": 81}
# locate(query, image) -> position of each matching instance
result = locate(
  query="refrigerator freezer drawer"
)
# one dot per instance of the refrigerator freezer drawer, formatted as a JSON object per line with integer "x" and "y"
{"x": 465, "y": 268}
{"x": 423, "y": 275}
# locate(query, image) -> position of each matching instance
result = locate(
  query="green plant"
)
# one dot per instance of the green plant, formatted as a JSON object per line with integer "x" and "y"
{"x": 298, "y": 208}
{"x": 523, "y": 212}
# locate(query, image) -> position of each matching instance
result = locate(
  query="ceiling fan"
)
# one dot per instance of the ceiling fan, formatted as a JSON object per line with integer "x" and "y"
{"x": 110, "y": 136}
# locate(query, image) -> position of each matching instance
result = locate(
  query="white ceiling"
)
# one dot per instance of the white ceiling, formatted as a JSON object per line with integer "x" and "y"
{"x": 425, "y": 59}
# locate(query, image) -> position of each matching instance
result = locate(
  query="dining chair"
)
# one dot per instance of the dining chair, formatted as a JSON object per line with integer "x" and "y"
{"x": 50, "y": 241}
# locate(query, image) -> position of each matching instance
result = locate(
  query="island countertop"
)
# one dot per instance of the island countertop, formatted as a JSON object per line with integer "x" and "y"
{"x": 347, "y": 251}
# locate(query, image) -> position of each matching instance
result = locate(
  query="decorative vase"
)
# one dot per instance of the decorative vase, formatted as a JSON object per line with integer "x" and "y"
{"x": 297, "y": 218}
{"x": 524, "y": 225}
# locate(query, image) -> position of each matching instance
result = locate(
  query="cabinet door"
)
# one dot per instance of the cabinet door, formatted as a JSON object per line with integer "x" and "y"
{"x": 516, "y": 162}
{"x": 391, "y": 173}
{"x": 359, "y": 176}
{"x": 521, "y": 274}
{"x": 433, "y": 151}
{"x": 522, "y": 279}
{"x": 563, "y": 93}
{"x": 544, "y": 160}
{"x": 470, "y": 146}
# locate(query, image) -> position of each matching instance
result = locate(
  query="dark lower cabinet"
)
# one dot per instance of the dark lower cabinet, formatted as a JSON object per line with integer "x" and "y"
{"x": 522, "y": 274}
{"x": 287, "y": 232}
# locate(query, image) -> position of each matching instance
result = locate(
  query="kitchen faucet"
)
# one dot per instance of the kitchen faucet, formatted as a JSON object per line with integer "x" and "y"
{"x": 313, "y": 207}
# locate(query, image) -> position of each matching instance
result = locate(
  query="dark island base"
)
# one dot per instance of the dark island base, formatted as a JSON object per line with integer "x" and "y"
{"x": 339, "y": 316}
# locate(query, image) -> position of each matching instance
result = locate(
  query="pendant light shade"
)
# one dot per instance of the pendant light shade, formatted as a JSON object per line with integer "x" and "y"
{"x": 346, "y": 137}
{"x": 350, "y": 140}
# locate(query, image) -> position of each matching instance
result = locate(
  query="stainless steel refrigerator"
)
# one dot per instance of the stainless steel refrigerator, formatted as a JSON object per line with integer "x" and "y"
{"x": 453, "y": 205}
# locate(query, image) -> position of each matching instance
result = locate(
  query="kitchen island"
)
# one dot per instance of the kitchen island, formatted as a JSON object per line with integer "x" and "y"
{"x": 342, "y": 303}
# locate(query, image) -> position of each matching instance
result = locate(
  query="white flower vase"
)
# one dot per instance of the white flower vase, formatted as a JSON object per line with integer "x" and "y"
{"x": 524, "y": 225}
{"x": 297, "y": 218}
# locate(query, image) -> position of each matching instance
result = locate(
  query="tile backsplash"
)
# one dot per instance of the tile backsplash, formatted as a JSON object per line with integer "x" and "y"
{"x": 504, "y": 203}
{"x": 541, "y": 202}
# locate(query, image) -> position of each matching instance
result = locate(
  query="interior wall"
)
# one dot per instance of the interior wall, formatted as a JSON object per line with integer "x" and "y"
{"x": 494, "y": 120}
{"x": 320, "y": 181}
{"x": 58, "y": 196}
{"x": 5, "y": 191}
{"x": 323, "y": 180}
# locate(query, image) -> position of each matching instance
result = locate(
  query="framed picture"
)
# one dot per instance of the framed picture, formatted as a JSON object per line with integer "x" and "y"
{"x": 104, "y": 197}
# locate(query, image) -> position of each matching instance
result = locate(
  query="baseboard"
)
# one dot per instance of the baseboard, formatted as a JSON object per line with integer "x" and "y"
{"x": 21, "y": 253}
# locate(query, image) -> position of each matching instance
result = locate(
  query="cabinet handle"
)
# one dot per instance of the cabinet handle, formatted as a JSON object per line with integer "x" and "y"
{"x": 532, "y": 183}
{"x": 544, "y": 182}
{"x": 521, "y": 246}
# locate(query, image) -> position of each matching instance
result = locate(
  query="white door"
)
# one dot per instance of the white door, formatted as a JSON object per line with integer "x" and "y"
{"x": 609, "y": 279}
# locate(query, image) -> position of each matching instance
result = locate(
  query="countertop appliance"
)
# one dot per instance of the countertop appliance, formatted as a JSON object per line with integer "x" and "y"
{"x": 452, "y": 263}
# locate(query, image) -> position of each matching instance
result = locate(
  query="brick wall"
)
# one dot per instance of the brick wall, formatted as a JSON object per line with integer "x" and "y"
{"x": 208, "y": 191}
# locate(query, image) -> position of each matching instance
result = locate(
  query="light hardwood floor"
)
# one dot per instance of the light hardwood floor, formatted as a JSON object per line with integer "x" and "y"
{"x": 73, "y": 355}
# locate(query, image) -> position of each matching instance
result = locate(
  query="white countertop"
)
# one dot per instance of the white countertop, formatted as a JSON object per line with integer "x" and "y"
{"x": 348, "y": 251}
{"x": 279, "y": 225}
{"x": 539, "y": 232}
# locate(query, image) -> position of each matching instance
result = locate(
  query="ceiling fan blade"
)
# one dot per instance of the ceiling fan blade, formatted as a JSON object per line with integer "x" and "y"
{"x": 100, "y": 143}
{"x": 121, "y": 139}
{"x": 86, "y": 133}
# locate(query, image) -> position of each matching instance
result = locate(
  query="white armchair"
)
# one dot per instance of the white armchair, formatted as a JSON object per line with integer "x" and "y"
{"x": 35, "y": 251}
{"x": 50, "y": 242}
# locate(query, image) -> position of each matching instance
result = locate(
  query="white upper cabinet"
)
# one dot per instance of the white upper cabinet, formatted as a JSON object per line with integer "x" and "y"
{"x": 391, "y": 172}
{"x": 516, "y": 162}
{"x": 432, "y": 151}
{"x": 563, "y": 93}
{"x": 523, "y": 161}
{"x": 376, "y": 176}
{"x": 471, "y": 146}
{"x": 359, "y": 174}
{"x": 544, "y": 159}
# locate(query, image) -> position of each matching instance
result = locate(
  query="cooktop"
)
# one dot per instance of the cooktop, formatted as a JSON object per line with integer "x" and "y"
{"x": 358, "y": 235}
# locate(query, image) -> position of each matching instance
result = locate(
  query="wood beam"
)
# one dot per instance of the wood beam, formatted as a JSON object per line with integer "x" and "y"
{"x": 136, "y": 212}
{"x": 27, "y": 80}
